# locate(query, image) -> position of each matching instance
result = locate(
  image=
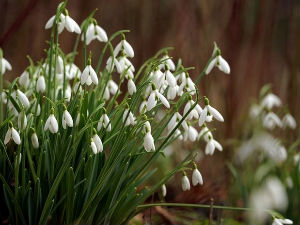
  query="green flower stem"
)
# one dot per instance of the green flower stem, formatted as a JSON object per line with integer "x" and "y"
{"x": 199, "y": 206}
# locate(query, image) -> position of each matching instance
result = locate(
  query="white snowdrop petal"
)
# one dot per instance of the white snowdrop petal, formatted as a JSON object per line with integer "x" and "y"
{"x": 170, "y": 78}
{"x": 163, "y": 99}
{"x": 84, "y": 75}
{"x": 223, "y": 65}
{"x": 164, "y": 190}
{"x": 15, "y": 136}
{"x": 7, "y": 136}
{"x": 102, "y": 34}
{"x": 69, "y": 24}
{"x": 68, "y": 118}
{"x": 94, "y": 148}
{"x": 23, "y": 98}
{"x": 210, "y": 66}
{"x": 93, "y": 75}
{"x": 131, "y": 87}
{"x": 203, "y": 116}
{"x": 53, "y": 124}
{"x": 215, "y": 113}
{"x": 50, "y": 22}
{"x": 98, "y": 143}
{"x": 185, "y": 183}
{"x": 209, "y": 148}
{"x": 128, "y": 49}
{"x": 218, "y": 145}
{"x": 149, "y": 142}
{"x": 151, "y": 103}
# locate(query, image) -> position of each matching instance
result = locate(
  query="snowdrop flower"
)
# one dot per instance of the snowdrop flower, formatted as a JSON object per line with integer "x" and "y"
{"x": 23, "y": 98}
{"x": 4, "y": 97}
{"x": 24, "y": 79}
{"x": 128, "y": 50}
{"x": 130, "y": 118}
{"x": 60, "y": 23}
{"x": 34, "y": 140}
{"x": 104, "y": 122}
{"x": 195, "y": 113}
{"x": 169, "y": 77}
{"x": 66, "y": 119}
{"x": 125, "y": 63}
{"x": 212, "y": 145}
{"x": 149, "y": 142}
{"x": 5, "y": 65}
{"x": 270, "y": 100}
{"x": 93, "y": 32}
{"x": 196, "y": 176}
{"x": 288, "y": 121}
{"x": 72, "y": 71}
{"x": 41, "y": 84}
{"x": 111, "y": 88}
{"x": 12, "y": 134}
{"x": 219, "y": 62}
{"x": 169, "y": 62}
{"x": 157, "y": 78}
{"x": 212, "y": 111}
{"x": 71, "y": 25}
{"x": 185, "y": 183}
{"x": 148, "y": 139}
{"x": 172, "y": 92}
{"x": 152, "y": 100}
{"x": 131, "y": 87}
{"x": 22, "y": 120}
{"x": 51, "y": 123}
{"x": 187, "y": 84}
{"x": 271, "y": 120}
{"x": 164, "y": 190}
{"x": 111, "y": 63}
{"x": 175, "y": 120}
{"x": 98, "y": 144}
{"x": 89, "y": 75}
{"x": 282, "y": 221}
{"x": 190, "y": 134}
{"x": 94, "y": 147}
{"x": 205, "y": 133}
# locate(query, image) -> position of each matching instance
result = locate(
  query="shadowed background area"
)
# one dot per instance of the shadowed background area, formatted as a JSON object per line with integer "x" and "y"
{"x": 259, "y": 39}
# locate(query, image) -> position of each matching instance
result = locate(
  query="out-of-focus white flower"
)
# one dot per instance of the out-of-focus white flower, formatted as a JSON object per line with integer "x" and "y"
{"x": 12, "y": 134}
{"x": 169, "y": 77}
{"x": 219, "y": 62}
{"x": 270, "y": 100}
{"x": 67, "y": 119}
{"x": 185, "y": 183}
{"x": 271, "y": 195}
{"x": 125, "y": 63}
{"x": 51, "y": 123}
{"x": 89, "y": 75}
{"x": 77, "y": 119}
{"x": 255, "y": 110}
{"x": 205, "y": 133}
{"x": 24, "y": 79}
{"x": 277, "y": 221}
{"x": 5, "y": 65}
{"x": 164, "y": 190}
{"x": 175, "y": 120}
{"x": 93, "y": 32}
{"x": 157, "y": 78}
{"x": 41, "y": 84}
{"x": 34, "y": 140}
{"x": 128, "y": 50}
{"x": 265, "y": 142}
{"x": 212, "y": 111}
{"x": 271, "y": 120}
{"x": 187, "y": 84}
{"x": 104, "y": 122}
{"x": 152, "y": 100}
{"x": 3, "y": 97}
{"x": 71, "y": 25}
{"x": 196, "y": 177}
{"x": 72, "y": 71}
{"x": 143, "y": 107}
{"x": 289, "y": 121}
{"x": 130, "y": 118}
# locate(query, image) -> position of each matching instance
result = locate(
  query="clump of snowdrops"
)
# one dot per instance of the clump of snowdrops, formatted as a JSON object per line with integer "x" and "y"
{"x": 77, "y": 149}
{"x": 266, "y": 166}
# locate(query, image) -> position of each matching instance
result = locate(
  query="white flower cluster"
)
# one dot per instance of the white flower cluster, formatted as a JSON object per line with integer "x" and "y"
{"x": 268, "y": 121}
{"x": 196, "y": 179}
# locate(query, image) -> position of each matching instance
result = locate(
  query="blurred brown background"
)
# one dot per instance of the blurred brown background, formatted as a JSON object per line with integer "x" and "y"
{"x": 259, "y": 39}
